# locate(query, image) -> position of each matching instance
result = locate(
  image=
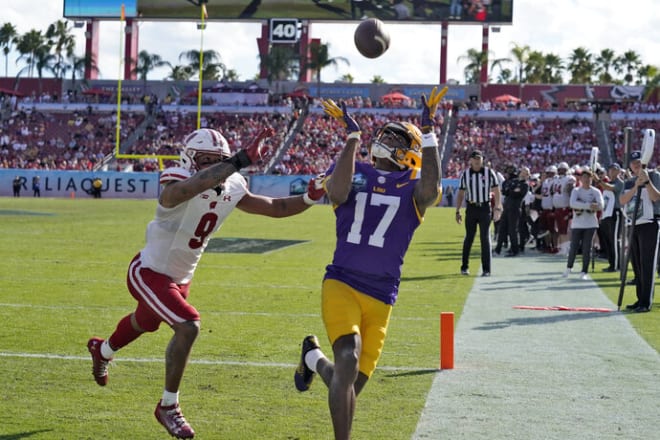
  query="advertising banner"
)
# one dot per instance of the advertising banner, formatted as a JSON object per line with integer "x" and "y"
{"x": 76, "y": 184}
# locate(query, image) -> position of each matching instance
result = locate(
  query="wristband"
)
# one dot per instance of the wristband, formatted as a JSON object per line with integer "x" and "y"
{"x": 429, "y": 140}
{"x": 308, "y": 200}
{"x": 240, "y": 160}
{"x": 354, "y": 135}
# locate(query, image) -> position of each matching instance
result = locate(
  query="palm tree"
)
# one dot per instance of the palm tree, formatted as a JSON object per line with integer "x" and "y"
{"x": 377, "y": 79}
{"x": 212, "y": 66}
{"x": 78, "y": 66}
{"x": 63, "y": 42}
{"x": 7, "y": 39}
{"x": 281, "y": 63}
{"x": 319, "y": 59}
{"x": 534, "y": 67}
{"x": 520, "y": 55}
{"x": 552, "y": 69}
{"x": 630, "y": 62}
{"x": 505, "y": 76}
{"x": 648, "y": 73}
{"x": 180, "y": 73}
{"x": 498, "y": 63}
{"x": 347, "y": 78}
{"x": 28, "y": 45}
{"x": 40, "y": 60}
{"x": 652, "y": 87}
{"x": 475, "y": 59}
{"x": 232, "y": 75}
{"x": 580, "y": 66}
{"x": 605, "y": 61}
{"x": 147, "y": 62}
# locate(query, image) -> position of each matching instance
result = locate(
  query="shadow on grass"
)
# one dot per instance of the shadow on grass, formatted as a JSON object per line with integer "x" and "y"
{"x": 559, "y": 316}
{"x": 21, "y": 435}
{"x": 413, "y": 373}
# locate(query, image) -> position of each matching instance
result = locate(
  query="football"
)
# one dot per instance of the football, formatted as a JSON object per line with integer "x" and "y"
{"x": 371, "y": 38}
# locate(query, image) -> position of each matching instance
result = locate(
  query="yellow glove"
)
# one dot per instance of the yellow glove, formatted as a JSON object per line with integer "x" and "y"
{"x": 430, "y": 107}
{"x": 331, "y": 108}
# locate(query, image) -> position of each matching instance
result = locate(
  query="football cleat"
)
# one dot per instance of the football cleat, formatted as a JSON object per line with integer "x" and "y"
{"x": 304, "y": 375}
{"x": 99, "y": 363}
{"x": 172, "y": 419}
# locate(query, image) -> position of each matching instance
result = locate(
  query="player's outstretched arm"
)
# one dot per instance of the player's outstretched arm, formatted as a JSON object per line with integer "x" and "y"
{"x": 427, "y": 191}
{"x": 283, "y": 206}
{"x": 177, "y": 192}
{"x": 339, "y": 184}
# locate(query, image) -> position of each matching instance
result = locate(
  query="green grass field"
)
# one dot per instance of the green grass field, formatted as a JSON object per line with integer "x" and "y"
{"x": 63, "y": 277}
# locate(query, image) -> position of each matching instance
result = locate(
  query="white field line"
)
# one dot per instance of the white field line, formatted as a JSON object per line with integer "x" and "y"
{"x": 192, "y": 361}
{"x": 210, "y": 312}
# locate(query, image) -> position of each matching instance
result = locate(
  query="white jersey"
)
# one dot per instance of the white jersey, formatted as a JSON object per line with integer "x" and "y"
{"x": 177, "y": 237}
{"x": 546, "y": 193}
{"x": 561, "y": 191}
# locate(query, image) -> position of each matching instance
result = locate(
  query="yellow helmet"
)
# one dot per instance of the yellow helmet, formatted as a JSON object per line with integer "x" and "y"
{"x": 405, "y": 146}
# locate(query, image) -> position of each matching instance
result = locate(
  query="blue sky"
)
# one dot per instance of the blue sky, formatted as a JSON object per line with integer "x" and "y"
{"x": 556, "y": 26}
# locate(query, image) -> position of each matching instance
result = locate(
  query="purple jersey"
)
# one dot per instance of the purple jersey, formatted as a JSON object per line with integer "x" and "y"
{"x": 374, "y": 229}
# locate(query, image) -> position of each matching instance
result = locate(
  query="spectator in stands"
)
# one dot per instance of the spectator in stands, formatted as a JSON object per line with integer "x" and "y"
{"x": 401, "y": 10}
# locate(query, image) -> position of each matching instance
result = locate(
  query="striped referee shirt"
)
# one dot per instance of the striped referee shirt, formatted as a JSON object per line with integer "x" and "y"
{"x": 478, "y": 184}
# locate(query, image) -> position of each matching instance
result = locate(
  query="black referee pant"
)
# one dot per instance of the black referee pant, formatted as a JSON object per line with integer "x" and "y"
{"x": 610, "y": 228}
{"x": 644, "y": 254}
{"x": 477, "y": 215}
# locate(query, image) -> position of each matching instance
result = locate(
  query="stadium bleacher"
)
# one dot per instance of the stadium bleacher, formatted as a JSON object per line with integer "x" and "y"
{"x": 59, "y": 136}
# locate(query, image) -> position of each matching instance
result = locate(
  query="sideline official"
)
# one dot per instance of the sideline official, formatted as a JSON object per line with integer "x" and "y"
{"x": 514, "y": 189}
{"x": 475, "y": 186}
{"x": 611, "y": 221}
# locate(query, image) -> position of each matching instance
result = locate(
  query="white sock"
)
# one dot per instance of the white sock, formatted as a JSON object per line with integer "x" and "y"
{"x": 312, "y": 357}
{"x": 106, "y": 351}
{"x": 169, "y": 398}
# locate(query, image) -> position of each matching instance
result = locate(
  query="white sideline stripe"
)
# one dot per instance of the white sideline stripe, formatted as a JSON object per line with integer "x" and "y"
{"x": 202, "y": 311}
{"x": 193, "y": 361}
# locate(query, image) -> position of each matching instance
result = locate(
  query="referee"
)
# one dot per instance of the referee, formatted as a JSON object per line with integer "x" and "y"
{"x": 475, "y": 186}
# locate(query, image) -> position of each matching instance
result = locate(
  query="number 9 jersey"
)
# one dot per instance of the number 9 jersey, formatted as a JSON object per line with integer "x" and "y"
{"x": 177, "y": 237}
{"x": 374, "y": 229}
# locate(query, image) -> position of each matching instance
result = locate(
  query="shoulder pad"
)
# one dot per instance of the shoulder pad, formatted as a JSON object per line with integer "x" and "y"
{"x": 174, "y": 174}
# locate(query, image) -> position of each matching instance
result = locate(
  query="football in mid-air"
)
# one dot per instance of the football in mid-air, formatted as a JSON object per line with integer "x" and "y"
{"x": 371, "y": 38}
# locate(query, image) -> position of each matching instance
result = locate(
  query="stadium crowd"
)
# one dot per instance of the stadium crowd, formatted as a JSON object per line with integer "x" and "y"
{"x": 81, "y": 140}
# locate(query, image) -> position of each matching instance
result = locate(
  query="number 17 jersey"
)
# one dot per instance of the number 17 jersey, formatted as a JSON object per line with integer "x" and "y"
{"x": 374, "y": 228}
